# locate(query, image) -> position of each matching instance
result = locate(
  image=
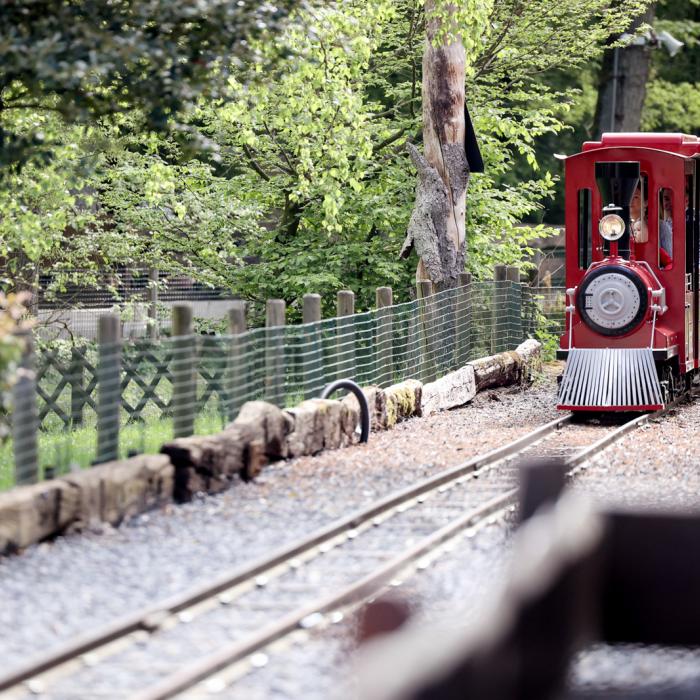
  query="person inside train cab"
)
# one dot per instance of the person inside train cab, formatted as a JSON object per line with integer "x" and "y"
{"x": 638, "y": 216}
{"x": 639, "y": 222}
{"x": 666, "y": 227}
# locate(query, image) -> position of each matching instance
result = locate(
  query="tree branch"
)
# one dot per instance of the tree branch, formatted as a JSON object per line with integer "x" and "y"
{"x": 254, "y": 164}
{"x": 281, "y": 149}
{"x": 389, "y": 140}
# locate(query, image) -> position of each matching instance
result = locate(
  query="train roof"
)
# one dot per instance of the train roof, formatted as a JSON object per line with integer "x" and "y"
{"x": 682, "y": 144}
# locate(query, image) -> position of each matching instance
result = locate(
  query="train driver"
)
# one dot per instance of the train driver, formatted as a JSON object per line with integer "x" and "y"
{"x": 666, "y": 225}
{"x": 638, "y": 221}
{"x": 666, "y": 218}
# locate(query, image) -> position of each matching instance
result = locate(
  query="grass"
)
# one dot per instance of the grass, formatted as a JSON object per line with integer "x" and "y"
{"x": 63, "y": 451}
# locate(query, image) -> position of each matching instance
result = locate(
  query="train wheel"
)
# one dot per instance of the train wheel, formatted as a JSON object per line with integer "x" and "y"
{"x": 668, "y": 383}
{"x": 673, "y": 383}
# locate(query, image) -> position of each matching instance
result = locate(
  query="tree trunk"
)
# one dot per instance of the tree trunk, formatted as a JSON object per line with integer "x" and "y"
{"x": 436, "y": 227}
{"x": 631, "y": 78}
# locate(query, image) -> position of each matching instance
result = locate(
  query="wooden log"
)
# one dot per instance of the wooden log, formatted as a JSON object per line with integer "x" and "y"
{"x": 454, "y": 389}
{"x": 507, "y": 368}
{"x": 206, "y": 463}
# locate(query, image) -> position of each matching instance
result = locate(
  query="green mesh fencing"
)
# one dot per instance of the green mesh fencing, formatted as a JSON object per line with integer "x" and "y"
{"x": 96, "y": 403}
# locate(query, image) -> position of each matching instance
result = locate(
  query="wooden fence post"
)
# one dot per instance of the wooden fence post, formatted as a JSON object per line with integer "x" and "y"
{"x": 312, "y": 364}
{"x": 153, "y": 304}
{"x": 426, "y": 325}
{"x": 499, "y": 327}
{"x": 275, "y": 310}
{"x": 25, "y": 419}
{"x": 463, "y": 318}
{"x": 515, "y": 307}
{"x": 184, "y": 378}
{"x": 345, "y": 333}
{"x": 76, "y": 379}
{"x": 385, "y": 336}
{"x": 530, "y": 307}
{"x": 108, "y": 387}
{"x": 237, "y": 368}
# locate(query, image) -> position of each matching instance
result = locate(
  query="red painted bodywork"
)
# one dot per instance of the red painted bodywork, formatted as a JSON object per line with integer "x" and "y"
{"x": 663, "y": 159}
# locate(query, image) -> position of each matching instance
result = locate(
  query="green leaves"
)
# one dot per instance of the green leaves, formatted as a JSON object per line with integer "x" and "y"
{"x": 95, "y": 58}
{"x": 209, "y": 157}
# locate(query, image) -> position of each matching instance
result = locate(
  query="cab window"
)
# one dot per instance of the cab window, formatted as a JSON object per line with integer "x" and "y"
{"x": 665, "y": 227}
{"x": 585, "y": 238}
{"x": 638, "y": 212}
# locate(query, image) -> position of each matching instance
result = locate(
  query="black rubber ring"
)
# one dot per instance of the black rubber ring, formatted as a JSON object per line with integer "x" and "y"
{"x": 362, "y": 399}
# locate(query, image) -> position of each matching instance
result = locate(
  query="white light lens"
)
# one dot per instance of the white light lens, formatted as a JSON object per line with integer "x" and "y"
{"x": 611, "y": 227}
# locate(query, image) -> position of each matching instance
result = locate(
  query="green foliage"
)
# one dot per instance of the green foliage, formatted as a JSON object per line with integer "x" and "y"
{"x": 90, "y": 58}
{"x": 465, "y": 21}
{"x": 306, "y": 185}
{"x": 672, "y": 107}
{"x": 673, "y": 92}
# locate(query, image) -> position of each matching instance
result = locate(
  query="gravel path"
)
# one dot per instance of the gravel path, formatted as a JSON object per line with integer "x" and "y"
{"x": 656, "y": 466}
{"x": 56, "y": 590}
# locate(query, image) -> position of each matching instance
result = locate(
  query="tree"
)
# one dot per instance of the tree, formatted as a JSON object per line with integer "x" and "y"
{"x": 89, "y": 58}
{"x": 673, "y": 93}
{"x": 526, "y": 40}
{"x": 312, "y": 188}
{"x": 623, "y": 81}
{"x": 437, "y": 223}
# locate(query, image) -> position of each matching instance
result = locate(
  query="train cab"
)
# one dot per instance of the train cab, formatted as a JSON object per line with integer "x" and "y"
{"x": 631, "y": 335}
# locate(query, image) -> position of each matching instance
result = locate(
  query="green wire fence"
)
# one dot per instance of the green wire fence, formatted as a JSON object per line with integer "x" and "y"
{"x": 98, "y": 401}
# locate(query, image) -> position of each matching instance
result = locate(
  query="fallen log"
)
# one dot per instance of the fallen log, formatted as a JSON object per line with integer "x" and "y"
{"x": 507, "y": 368}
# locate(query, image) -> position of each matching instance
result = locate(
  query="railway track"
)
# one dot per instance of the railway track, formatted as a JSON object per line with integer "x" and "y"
{"x": 187, "y": 640}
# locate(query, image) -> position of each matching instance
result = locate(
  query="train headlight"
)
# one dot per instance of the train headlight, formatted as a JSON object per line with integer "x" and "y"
{"x": 611, "y": 227}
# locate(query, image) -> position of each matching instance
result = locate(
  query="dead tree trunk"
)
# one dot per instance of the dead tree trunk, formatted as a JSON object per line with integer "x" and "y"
{"x": 622, "y": 85}
{"x": 436, "y": 228}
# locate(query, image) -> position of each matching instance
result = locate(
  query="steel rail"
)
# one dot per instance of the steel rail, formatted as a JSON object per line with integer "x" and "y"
{"x": 208, "y": 666}
{"x": 353, "y": 593}
{"x": 149, "y": 619}
{"x": 585, "y": 454}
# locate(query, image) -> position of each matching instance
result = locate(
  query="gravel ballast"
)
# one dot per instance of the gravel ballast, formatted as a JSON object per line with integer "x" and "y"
{"x": 655, "y": 467}
{"x": 53, "y": 591}
{"x": 56, "y": 590}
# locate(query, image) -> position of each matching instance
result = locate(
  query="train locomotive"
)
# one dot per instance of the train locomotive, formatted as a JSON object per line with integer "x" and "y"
{"x": 631, "y": 335}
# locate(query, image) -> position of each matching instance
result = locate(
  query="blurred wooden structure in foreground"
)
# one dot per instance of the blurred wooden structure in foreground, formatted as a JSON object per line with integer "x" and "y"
{"x": 578, "y": 576}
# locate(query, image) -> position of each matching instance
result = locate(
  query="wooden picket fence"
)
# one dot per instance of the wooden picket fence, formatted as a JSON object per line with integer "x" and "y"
{"x": 67, "y": 387}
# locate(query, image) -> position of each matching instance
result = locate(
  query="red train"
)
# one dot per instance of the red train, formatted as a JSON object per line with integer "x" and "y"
{"x": 631, "y": 337}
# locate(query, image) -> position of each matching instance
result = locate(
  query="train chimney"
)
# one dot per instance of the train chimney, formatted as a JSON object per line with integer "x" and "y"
{"x": 617, "y": 182}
